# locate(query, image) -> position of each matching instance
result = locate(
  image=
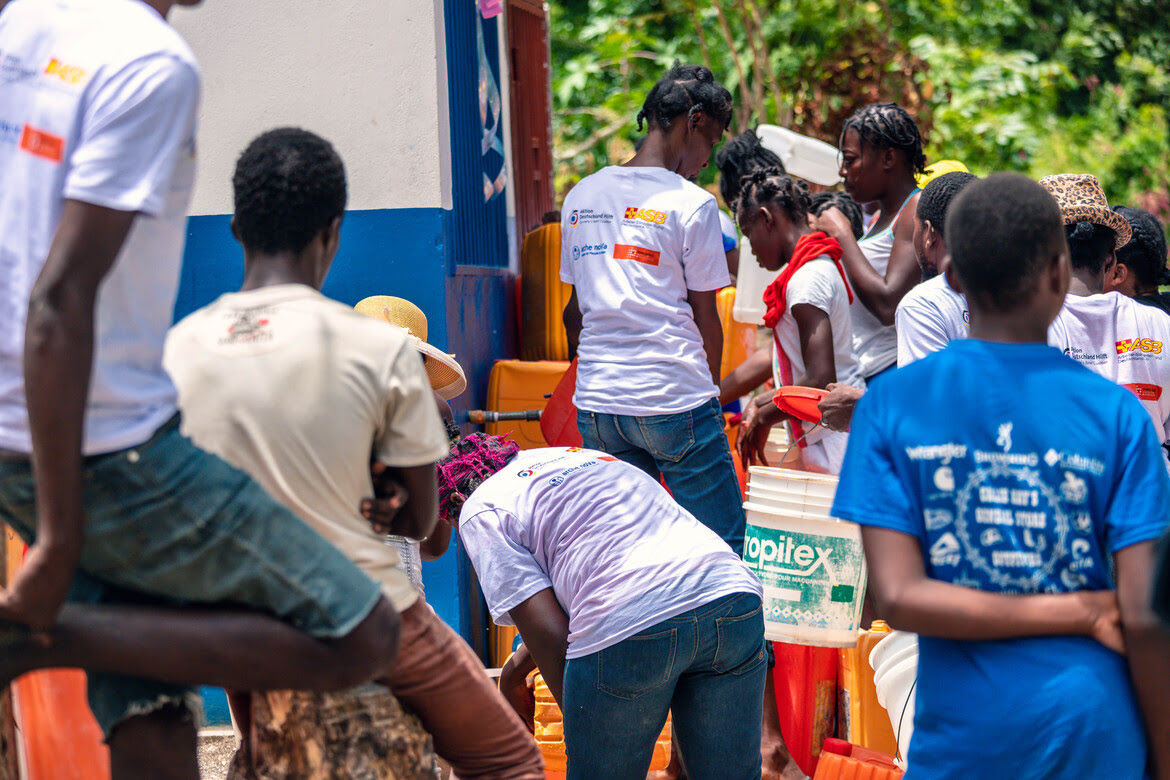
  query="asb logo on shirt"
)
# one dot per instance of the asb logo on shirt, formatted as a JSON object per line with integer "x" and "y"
{"x": 648, "y": 215}
{"x": 1144, "y": 345}
{"x": 70, "y": 74}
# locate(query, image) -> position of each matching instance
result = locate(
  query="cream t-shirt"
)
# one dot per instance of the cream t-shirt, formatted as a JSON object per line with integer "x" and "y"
{"x": 299, "y": 391}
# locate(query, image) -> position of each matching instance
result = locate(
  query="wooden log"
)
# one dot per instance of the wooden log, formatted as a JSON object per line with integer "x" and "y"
{"x": 363, "y": 734}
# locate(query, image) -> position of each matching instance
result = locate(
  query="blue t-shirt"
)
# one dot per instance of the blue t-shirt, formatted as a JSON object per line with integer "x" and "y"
{"x": 1018, "y": 471}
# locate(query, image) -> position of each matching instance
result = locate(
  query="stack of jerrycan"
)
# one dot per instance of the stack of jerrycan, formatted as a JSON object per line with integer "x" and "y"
{"x": 861, "y": 719}
{"x": 813, "y": 571}
{"x": 550, "y": 735}
{"x": 543, "y": 296}
{"x": 841, "y": 760}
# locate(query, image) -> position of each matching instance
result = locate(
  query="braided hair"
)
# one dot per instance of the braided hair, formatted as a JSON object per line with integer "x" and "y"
{"x": 1089, "y": 245}
{"x": 1145, "y": 254}
{"x": 737, "y": 158}
{"x": 471, "y": 462}
{"x": 888, "y": 126}
{"x": 289, "y": 184}
{"x": 685, "y": 89}
{"x": 843, "y": 203}
{"x": 936, "y": 197}
{"x": 771, "y": 187}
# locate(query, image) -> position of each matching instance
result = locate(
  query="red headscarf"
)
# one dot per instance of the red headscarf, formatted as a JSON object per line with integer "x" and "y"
{"x": 809, "y": 247}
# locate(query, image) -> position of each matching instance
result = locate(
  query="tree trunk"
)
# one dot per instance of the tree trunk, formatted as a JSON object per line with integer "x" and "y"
{"x": 363, "y": 734}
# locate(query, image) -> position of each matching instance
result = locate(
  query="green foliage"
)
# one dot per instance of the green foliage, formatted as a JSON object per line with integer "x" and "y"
{"x": 1038, "y": 86}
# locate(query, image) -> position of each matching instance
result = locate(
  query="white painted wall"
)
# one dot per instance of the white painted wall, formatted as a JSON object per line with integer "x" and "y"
{"x": 369, "y": 75}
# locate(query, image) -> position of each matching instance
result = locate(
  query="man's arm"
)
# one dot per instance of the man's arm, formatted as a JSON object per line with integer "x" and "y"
{"x": 545, "y": 629}
{"x": 417, "y": 512}
{"x": 1148, "y": 644}
{"x": 58, "y": 358}
{"x": 747, "y": 376}
{"x": 710, "y": 328}
{"x": 910, "y": 601}
{"x": 837, "y": 407}
{"x": 573, "y": 323}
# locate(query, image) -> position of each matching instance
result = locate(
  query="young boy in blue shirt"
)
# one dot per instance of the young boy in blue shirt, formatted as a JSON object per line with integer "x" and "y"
{"x": 991, "y": 479}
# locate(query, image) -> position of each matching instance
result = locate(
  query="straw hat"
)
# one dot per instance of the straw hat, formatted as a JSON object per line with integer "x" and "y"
{"x": 1081, "y": 199}
{"x": 445, "y": 373}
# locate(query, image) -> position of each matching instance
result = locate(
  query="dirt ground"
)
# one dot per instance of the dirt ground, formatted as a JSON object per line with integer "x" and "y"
{"x": 216, "y": 748}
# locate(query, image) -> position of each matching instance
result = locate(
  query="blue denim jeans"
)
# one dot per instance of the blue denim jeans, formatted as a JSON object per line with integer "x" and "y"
{"x": 706, "y": 666}
{"x": 688, "y": 450}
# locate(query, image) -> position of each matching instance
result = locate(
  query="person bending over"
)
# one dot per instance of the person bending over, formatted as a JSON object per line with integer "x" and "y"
{"x": 642, "y": 249}
{"x": 881, "y": 151}
{"x": 627, "y": 604}
{"x": 808, "y": 312}
{"x": 298, "y": 391}
{"x": 997, "y": 484}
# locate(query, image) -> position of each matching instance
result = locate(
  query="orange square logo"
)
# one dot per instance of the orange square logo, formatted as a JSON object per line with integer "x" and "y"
{"x": 42, "y": 144}
{"x": 636, "y": 253}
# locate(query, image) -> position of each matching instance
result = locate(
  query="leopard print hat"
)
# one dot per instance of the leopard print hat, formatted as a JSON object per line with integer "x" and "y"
{"x": 1081, "y": 199}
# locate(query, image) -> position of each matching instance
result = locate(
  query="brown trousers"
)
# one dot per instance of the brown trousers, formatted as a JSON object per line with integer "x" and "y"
{"x": 475, "y": 730}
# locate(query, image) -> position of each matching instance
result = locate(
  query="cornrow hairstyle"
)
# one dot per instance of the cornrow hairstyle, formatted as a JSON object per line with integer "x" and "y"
{"x": 936, "y": 198}
{"x": 770, "y": 187}
{"x": 1089, "y": 245}
{"x": 1145, "y": 254}
{"x": 1001, "y": 232}
{"x": 737, "y": 158}
{"x": 471, "y": 462}
{"x": 289, "y": 184}
{"x": 888, "y": 126}
{"x": 843, "y": 203}
{"x": 685, "y": 90}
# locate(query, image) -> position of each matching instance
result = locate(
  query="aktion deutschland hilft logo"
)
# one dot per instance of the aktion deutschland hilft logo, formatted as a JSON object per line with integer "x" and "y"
{"x": 1142, "y": 345}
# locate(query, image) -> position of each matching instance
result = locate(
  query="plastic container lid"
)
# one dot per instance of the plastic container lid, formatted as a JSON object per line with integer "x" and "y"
{"x": 800, "y": 402}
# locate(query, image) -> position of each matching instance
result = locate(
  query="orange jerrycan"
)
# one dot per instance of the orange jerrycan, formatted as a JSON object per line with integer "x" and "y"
{"x": 543, "y": 296}
{"x": 550, "y": 735}
{"x": 57, "y": 737}
{"x": 519, "y": 386}
{"x": 739, "y": 339}
{"x": 860, "y": 719}
{"x": 841, "y": 760}
{"x": 806, "y": 698}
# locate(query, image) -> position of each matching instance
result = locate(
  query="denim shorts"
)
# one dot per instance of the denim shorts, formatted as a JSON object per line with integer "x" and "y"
{"x": 169, "y": 524}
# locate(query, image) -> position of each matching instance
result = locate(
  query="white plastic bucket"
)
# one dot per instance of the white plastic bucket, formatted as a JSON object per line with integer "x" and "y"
{"x": 750, "y": 282}
{"x": 792, "y": 482}
{"x": 786, "y": 503}
{"x": 808, "y": 158}
{"x": 895, "y": 672}
{"x": 813, "y": 572}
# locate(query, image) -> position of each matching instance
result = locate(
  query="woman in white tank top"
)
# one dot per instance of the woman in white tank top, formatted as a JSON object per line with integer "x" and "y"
{"x": 881, "y": 151}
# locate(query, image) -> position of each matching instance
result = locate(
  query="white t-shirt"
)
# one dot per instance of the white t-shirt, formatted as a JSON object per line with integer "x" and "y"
{"x": 98, "y": 102}
{"x": 1124, "y": 341}
{"x": 298, "y": 391}
{"x": 874, "y": 345}
{"x": 931, "y": 316}
{"x": 618, "y": 552}
{"x": 634, "y": 241}
{"x": 818, "y": 283}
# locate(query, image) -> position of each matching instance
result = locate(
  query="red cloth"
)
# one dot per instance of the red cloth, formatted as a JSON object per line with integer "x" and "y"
{"x": 809, "y": 247}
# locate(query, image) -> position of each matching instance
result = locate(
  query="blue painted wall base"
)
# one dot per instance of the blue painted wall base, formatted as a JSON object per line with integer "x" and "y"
{"x": 403, "y": 252}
